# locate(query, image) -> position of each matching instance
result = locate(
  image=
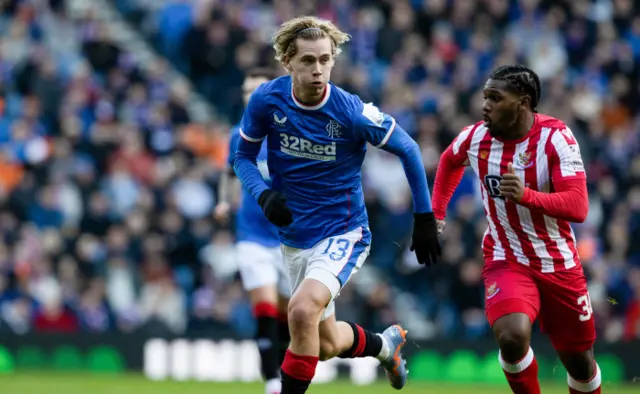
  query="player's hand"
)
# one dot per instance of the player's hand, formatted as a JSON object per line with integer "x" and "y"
{"x": 425, "y": 238}
{"x": 274, "y": 206}
{"x": 511, "y": 186}
{"x": 221, "y": 212}
{"x": 440, "y": 224}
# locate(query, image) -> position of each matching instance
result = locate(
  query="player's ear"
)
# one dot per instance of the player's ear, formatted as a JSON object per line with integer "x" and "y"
{"x": 525, "y": 102}
{"x": 286, "y": 62}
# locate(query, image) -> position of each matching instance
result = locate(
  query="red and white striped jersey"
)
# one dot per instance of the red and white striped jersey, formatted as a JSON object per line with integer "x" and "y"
{"x": 517, "y": 233}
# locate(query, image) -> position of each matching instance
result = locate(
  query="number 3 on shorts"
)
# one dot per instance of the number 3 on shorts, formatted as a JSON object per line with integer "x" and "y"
{"x": 337, "y": 248}
{"x": 585, "y": 303}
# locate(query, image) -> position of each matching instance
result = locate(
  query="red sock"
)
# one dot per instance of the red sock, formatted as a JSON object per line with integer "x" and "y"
{"x": 591, "y": 386}
{"x": 522, "y": 375}
{"x": 297, "y": 372}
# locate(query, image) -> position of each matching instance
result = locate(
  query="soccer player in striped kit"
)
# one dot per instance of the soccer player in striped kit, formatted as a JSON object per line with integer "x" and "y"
{"x": 533, "y": 185}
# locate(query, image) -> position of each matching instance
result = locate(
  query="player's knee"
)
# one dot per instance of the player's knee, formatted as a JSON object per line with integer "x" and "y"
{"x": 579, "y": 365}
{"x": 513, "y": 341}
{"x": 302, "y": 315}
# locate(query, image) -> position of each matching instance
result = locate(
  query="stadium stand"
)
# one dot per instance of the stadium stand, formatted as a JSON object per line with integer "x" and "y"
{"x": 107, "y": 185}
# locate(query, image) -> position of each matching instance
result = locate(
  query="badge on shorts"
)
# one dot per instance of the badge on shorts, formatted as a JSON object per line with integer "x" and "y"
{"x": 492, "y": 290}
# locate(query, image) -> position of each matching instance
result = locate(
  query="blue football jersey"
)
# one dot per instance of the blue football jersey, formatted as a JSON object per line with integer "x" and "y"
{"x": 315, "y": 154}
{"x": 251, "y": 224}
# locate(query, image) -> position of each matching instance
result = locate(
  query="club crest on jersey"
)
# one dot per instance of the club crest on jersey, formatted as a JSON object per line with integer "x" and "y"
{"x": 492, "y": 290}
{"x": 483, "y": 154}
{"x": 334, "y": 129}
{"x": 279, "y": 121}
{"x": 524, "y": 160}
{"x": 492, "y": 184}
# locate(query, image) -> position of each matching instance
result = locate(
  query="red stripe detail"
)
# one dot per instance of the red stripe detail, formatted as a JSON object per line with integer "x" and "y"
{"x": 563, "y": 226}
{"x": 362, "y": 342}
{"x": 483, "y": 169}
{"x": 537, "y": 219}
{"x": 299, "y": 367}
{"x": 553, "y": 161}
{"x": 265, "y": 309}
{"x": 513, "y": 217}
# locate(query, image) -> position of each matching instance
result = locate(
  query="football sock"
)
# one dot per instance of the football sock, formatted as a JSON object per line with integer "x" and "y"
{"x": 297, "y": 372}
{"x": 267, "y": 338}
{"x": 522, "y": 375}
{"x": 590, "y": 386}
{"x": 283, "y": 336}
{"x": 365, "y": 343}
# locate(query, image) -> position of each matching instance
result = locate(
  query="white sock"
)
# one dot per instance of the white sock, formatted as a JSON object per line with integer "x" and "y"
{"x": 385, "y": 352}
{"x": 273, "y": 386}
{"x": 586, "y": 387}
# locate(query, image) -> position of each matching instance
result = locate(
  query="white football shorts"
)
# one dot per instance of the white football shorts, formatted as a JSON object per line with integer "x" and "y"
{"x": 261, "y": 266}
{"x": 332, "y": 262}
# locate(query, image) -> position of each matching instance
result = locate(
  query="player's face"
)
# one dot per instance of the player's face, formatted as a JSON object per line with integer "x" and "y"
{"x": 500, "y": 108}
{"x": 249, "y": 85}
{"x": 311, "y": 67}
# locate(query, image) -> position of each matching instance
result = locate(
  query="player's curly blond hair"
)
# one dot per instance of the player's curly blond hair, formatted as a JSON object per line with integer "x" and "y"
{"x": 307, "y": 28}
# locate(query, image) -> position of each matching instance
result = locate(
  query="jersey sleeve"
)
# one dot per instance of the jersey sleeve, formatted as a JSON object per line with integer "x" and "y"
{"x": 252, "y": 132}
{"x": 234, "y": 137}
{"x": 372, "y": 125}
{"x": 570, "y": 200}
{"x": 450, "y": 171}
{"x": 460, "y": 146}
{"x": 565, "y": 160}
{"x": 253, "y": 127}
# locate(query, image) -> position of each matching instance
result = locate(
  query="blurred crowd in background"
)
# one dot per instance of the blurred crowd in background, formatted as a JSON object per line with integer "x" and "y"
{"x": 107, "y": 184}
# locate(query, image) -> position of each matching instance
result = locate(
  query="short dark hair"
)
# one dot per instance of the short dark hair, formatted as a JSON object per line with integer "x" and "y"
{"x": 260, "y": 72}
{"x": 522, "y": 79}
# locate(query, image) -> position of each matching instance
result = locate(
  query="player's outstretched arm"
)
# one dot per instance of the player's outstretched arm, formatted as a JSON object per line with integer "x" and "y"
{"x": 252, "y": 133}
{"x": 382, "y": 131}
{"x": 448, "y": 177}
{"x": 273, "y": 203}
{"x": 425, "y": 231}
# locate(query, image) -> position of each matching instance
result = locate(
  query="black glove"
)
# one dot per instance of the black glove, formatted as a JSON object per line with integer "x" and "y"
{"x": 425, "y": 238}
{"x": 274, "y": 206}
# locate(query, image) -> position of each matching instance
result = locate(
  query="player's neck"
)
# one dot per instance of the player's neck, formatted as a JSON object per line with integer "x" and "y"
{"x": 308, "y": 97}
{"x": 521, "y": 128}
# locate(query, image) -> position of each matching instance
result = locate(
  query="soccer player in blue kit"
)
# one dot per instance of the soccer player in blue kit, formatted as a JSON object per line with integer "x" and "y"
{"x": 262, "y": 269}
{"x": 316, "y": 139}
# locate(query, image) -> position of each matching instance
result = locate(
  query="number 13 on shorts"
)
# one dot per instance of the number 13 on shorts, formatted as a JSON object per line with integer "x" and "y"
{"x": 343, "y": 254}
{"x": 585, "y": 302}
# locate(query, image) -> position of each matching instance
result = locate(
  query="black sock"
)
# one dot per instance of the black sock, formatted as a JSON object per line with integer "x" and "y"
{"x": 293, "y": 386}
{"x": 284, "y": 338}
{"x": 365, "y": 343}
{"x": 267, "y": 341}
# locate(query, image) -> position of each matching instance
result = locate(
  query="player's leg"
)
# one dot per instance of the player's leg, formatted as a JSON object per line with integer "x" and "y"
{"x": 305, "y": 310}
{"x": 512, "y": 304}
{"x": 349, "y": 340}
{"x": 333, "y": 263}
{"x": 260, "y": 278}
{"x": 567, "y": 318}
{"x": 317, "y": 278}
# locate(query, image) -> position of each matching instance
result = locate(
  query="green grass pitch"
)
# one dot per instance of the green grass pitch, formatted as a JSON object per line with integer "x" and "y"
{"x": 78, "y": 383}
